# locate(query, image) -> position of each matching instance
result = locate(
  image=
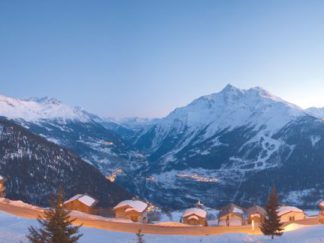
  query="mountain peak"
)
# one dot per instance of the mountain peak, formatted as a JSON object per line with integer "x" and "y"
{"x": 34, "y": 109}
{"x": 45, "y": 100}
{"x": 233, "y": 107}
{"x": 230, "y": 88}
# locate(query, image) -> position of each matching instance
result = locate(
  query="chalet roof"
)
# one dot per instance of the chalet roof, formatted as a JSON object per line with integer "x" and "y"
{"x": 193, "y": 217}
{"x": 195, "y": 211}
{"x": 83, "y": 198}
{"x": 287, "y": 209}
{"x": 136, "y": 205}
{"x": 256, "y": 210}
{"x": 231, "y": 208}
{"x": 321, "y": 204}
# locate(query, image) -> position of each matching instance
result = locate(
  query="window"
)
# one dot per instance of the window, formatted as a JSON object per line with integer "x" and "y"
{"x": 292, "y": 218}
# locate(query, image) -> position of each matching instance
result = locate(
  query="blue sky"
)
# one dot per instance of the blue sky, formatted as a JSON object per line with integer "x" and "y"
{"x": 144, "y": 58}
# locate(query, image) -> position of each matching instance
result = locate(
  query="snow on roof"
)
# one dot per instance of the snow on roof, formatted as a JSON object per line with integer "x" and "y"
{"x": 286, "y": 209}
{"x": 1, "y": 177}
{"x": 237, "y": 210}
{"x": 136, "y": 205}
{"x": 195, "y": 211}
{"x": 321, "y": 204}
{"x": 231, "y": 208}
{"x": 83, "y": 198}
{"x": 256, "y": 210}
{"x": 193, "y": 217}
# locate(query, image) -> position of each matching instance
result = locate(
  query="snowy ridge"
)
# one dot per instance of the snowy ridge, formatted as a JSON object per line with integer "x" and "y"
{"x": 40, "y": 109}
{"x": 316, "y": 112}
{"x": 228, "y": 109}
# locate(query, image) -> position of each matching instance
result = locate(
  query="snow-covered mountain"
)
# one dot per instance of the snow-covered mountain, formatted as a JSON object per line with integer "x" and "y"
{"x": 35, "y": 109}
{"x": 96, "y": 140}
{"x": 213, "y": 147}
{"x": 229, "y": 109}
{"x": 316, "y": 112}
{"x": 230, "y": 146}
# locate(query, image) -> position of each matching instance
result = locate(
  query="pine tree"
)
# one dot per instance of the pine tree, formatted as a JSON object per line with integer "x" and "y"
{"x": 56, "y": 225}
{"x": 140, "y": 237}
{"x": 271, "y": 225}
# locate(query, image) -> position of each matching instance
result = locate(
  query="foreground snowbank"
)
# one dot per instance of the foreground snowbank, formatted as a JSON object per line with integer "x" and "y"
{"x": 13, "y": 229}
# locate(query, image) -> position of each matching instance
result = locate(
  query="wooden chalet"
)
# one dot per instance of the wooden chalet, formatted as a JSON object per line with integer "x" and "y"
{"x": 231, "y": 215}
{"x": 290, "y": 214}
{"x": 81, "y": 202}
{"x": 194, "y": 216}
{"x": 255, "y": 215}
{"x": 134, "y": 210}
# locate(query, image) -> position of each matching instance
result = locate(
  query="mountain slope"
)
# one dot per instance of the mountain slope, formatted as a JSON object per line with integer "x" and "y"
{"x": 207, "y": 116}
{"x": 316, "y": 112}
{"x": 34, "y": 109}
{"x": 96, "y": 140}
{"x": 228, "y": 147}
{"x": 34, "y": 168}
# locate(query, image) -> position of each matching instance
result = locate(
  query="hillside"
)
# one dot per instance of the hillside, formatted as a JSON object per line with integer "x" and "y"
{"x": 34, "y": 168}
{"x": 232, "y": 146}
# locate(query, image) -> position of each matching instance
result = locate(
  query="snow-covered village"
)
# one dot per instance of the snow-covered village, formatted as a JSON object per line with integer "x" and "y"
{"x": 185, "y": 121}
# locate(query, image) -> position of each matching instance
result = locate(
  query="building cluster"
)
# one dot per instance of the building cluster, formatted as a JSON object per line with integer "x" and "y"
{"x": 229, "y": 215}
{"x": 233, "y": 215}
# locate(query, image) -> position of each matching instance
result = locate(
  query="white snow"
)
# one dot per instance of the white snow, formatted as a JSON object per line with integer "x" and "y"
{"x": 316, "y": 112}
{"x": 295, "y": 197}
{"x": 39, "y": 109}
{"x": 18, "y": 203}
{"x": 193, "y": 217}
{"x": 136, "y": 205}
{"x": 228, "y": 109}
{"x": 171, "y": 224}
{"x": 315, "y": 139}
{"x": 202, "y": 120}
{"x": 286, "y": 209}
{"x": 237, "y": 210}
{"x": 195, "y": 211}
{"x": 83, "y": 198}
{"x": 14, "y": 229}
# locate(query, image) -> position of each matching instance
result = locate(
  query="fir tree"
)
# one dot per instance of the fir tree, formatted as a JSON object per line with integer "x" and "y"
{"x": 56, "y": 225}
{"x": 271, "y": 225}
{"x": 140, "y": 237}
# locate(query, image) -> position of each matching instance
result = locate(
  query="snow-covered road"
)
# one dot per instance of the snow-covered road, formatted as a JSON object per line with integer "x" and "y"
{"x": 13, "y": 230}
